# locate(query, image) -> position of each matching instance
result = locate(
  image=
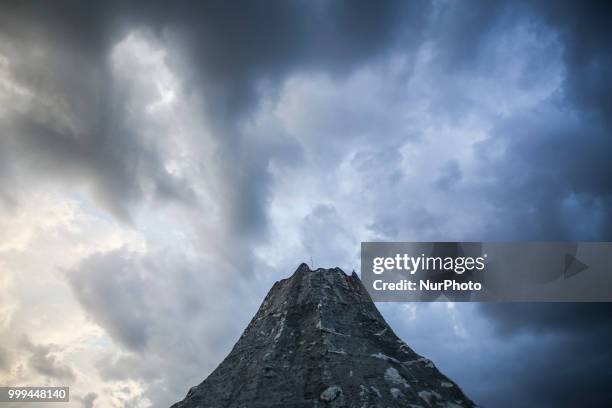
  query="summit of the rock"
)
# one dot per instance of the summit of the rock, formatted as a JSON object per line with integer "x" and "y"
{"x": 318, "y": 340}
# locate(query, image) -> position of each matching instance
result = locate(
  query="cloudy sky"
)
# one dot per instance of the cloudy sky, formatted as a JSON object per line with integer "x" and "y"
{"x": 161, "y": 165}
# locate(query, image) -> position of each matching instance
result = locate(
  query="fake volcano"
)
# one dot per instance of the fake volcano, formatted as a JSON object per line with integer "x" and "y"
{"x": 318, "y": 340}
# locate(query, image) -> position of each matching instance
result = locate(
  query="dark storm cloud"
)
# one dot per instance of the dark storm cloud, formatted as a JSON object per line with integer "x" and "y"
{"x": 232, "y": 48}
{"x": 234, "y": 51}
{"x": 590, "y": 319}
{"x": 227, "y": 53}
{"x": 553, "y": 183}
{"x": 75, "y": 129}
{"x": 43, "y": 361}
{"x": 580, "y": 153}
{"x": 109, "y": 161}
{"x": 584, "y": 28}
{"x": 463, "y": 28}
{"x": 554, "y": 180}
{"x": 569, "y": 360}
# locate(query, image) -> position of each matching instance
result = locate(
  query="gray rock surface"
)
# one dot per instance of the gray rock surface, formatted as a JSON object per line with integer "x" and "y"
{"x": 319, "y": 341}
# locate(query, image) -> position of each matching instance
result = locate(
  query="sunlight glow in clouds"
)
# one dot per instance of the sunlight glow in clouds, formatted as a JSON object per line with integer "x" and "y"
{"x": 142, "y": 65}
{"x": 54, "y": 233}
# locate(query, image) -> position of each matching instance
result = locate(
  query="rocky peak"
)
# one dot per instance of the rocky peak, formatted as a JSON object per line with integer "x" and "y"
{"x": 318, "y": 340}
